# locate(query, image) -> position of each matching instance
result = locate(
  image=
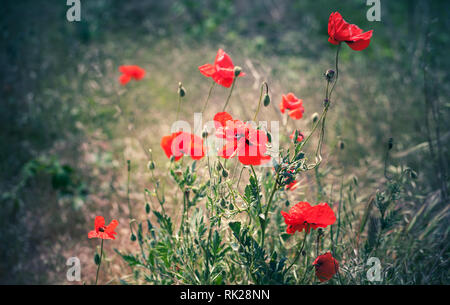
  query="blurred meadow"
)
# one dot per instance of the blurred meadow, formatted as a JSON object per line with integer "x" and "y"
{"x": 67, "y": 127}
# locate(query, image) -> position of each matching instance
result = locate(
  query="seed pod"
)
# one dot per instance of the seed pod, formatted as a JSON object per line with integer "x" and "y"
{"x": 237, "y": 71}
{"x": 266, "y": 100}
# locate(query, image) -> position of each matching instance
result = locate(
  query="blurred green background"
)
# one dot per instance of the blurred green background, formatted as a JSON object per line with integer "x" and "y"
{"x": 67, "y": 127}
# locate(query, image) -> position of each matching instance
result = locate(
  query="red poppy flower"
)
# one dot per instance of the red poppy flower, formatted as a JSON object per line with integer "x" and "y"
{"x": 300, "y": 136}
{"x": 242, "y": 140}
{"x": 102, "y": 231}
{"x": 293, "y": 104}
{"x": 341, "y": 31}
{"x": 304, "y": 216}
{"x": 222, "y": 72}
{"x": 326, "y": 266}
{"x": 183, "y": 143}
{"x": 129, "y": 72}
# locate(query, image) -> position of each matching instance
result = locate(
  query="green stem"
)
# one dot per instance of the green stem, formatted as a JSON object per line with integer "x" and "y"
{"x": 128, "y": 187}
{"x": 229, "y": 94}
{"x": 99, "y": 263}
{"x": 337, "y": 70}
{"x": 209, "y": 95}
{"x": 275, "y": 188}
{"x": 179, "y": 106}
{"x": 260, "y": 100}
{"x": 299, "y": 251}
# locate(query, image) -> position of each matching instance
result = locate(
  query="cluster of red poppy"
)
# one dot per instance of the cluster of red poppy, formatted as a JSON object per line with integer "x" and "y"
{"x": 249, "y": 144}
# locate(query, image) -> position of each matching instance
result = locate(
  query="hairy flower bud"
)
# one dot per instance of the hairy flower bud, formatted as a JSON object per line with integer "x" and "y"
{"x": 329, "y": 75}
{"x": 266, "y": 100}
{"x": 181, "y": 90}
{"x": 315, "y": 117}
{"x": 224, "y": 173}
{"x": 237, "y": 71}
{"x": 390, "y": 143}
{"x": 341, "y": 145}
{"x": 204, "y": 134}
{"x": 151, "y": 165}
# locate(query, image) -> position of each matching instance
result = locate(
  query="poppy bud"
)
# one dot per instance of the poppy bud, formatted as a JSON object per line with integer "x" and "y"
{"x": 266, "y": 100}
{"x": 133, "y": 237}
{"x": 224, "y": 173}
{"x": 341, "y": 145}
{"x": 329, "y": 75}
{"x": 147, "y": 208}
{"x": 204, "y": 134}
{"x": 237, "y": 71}
{"x": 269, "y": 137}
{"x": 219, "y": 166}
{"x": 181, "y": 90}
{"x": 231, "y": 207}
{"x": 151, "y": 165}
{"x": 315, "y": 117}
{"x": 97, "y": 259}
{"x": 390, "y": 143}
{"x": 172, "y": 158}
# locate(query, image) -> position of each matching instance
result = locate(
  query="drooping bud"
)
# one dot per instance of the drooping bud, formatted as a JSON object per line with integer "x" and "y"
{"x": 151, "y": 165}
{"x": 390, "y": 143}
{"x": 315, "y": 117}
{"x": 204, "y": 134}
{"x": 224, "y": 173}
{"x": 97, "y": 259}
{"x": 147, "y": 208}
{"x": 341, "y": 145}
{"x": 266, "y": 100}
{"x": 237, "y": 71}
{"x": 181, "y": 90}
{"x": 329, "y": 75}
{"x": 133, "y": 237}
